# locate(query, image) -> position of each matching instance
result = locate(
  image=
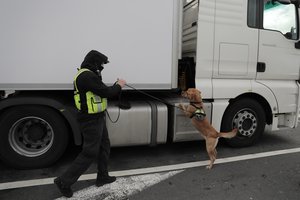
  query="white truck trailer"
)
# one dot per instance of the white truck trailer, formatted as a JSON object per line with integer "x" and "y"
{"x": 244, "y": 55}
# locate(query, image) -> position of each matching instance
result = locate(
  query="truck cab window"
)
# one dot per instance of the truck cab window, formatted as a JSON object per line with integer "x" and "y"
{"x": 281, "y": 17}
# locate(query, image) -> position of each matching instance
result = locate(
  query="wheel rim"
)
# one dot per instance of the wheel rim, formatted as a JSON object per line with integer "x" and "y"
{"x": 246, "y": 122}
{"x": 31, "y": 136}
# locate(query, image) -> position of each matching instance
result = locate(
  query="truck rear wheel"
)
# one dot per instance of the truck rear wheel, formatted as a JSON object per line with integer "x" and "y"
{"x": 32, "y": 136}
{"x": 248, "y": 116}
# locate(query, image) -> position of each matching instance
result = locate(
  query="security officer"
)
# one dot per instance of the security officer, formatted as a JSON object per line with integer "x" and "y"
{"x": 91, "y": 100}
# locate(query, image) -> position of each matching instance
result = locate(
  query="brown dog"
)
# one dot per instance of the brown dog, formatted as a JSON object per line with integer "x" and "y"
{"x": 196, "y": 113}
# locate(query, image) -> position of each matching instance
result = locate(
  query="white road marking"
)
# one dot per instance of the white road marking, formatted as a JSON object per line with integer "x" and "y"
{"x": 182, "y": 166}
{"x": 123, "y": 187}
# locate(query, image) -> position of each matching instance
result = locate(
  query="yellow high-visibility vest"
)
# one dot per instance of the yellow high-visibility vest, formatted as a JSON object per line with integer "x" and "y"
{"x": 95, "y": 104}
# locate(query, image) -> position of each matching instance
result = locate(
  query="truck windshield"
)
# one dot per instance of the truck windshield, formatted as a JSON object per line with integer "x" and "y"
{"x": 281, "y": 18}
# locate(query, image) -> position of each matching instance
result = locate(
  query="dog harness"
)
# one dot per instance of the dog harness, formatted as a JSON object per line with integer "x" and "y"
{"x": 199, "y": 113}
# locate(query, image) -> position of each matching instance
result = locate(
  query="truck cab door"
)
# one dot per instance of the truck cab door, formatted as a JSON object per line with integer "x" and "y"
{"x": 278, "y": 57}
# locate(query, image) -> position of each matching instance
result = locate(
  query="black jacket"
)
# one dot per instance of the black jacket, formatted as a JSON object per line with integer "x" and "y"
{"x": 89, "y": 81}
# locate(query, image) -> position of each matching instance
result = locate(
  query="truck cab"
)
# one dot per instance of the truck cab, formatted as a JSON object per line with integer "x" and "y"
{"x": 247, "y": 62}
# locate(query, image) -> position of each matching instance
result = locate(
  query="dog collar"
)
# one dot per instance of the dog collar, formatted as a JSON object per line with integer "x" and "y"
{"x": 193, "y": 104}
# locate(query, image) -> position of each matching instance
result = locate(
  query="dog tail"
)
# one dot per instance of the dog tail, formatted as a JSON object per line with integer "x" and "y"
{"x": 230, "y": 134}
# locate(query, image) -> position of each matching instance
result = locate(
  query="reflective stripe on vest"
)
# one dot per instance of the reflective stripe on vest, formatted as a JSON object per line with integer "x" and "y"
{"x": 95, "y": 104}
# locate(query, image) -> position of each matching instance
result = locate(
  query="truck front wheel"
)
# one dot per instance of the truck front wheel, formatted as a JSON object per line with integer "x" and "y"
{"x": 32, "y": 136}
{"x": 248, "y": 116}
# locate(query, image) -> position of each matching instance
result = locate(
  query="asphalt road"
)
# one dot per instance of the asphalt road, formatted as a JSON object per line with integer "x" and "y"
{"x": 270, "y": 176}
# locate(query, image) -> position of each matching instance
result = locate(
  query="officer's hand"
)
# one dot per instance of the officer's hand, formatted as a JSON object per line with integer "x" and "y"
{"x": 121, "y": 82}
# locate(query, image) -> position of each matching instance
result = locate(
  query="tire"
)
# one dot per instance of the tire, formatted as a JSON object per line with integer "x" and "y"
{"x": 248, "y": 116}
{"x": 32, "y": 137}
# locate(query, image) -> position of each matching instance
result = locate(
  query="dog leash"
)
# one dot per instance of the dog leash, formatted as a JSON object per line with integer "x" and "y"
{"x": 153, "y": 97}
{"x": 196, "y": 113}
{"x": 119, "y": 112}
{"x": 199, "y": 113}
{"x": 144, "y": 93}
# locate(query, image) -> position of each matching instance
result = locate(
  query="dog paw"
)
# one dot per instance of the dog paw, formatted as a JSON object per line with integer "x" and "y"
{"x": 208, "y": 167}
{"x": 182, "y": 107}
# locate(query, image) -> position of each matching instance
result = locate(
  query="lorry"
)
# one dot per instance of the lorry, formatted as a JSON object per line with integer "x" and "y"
{"x": 243, "y": 55}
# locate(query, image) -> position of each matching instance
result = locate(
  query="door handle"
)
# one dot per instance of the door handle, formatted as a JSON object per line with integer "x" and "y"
{"x": 261, "y": 67}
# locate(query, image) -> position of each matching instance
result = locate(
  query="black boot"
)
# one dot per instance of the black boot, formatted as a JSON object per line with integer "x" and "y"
{"x": 65, "y": 190}
{"x": 102, "y": 180}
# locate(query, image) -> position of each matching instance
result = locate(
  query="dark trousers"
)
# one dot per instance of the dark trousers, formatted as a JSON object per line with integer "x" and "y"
{"x": 96, "y": 144}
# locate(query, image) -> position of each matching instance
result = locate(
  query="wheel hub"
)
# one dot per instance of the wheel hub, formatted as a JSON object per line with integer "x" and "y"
{"x": 246, "y": 123}
{"x": 31, "y": 136}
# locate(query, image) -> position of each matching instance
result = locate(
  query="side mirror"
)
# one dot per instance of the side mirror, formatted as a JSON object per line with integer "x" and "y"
{"x": 288, "y": 35}
{"x": 297, "y": 45}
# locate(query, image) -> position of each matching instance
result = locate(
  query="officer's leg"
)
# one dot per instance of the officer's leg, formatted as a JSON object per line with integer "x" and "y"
{"x": 104, "y": 152}
{"x": 91, "y": 140}
{"x": 103, "y": 156}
